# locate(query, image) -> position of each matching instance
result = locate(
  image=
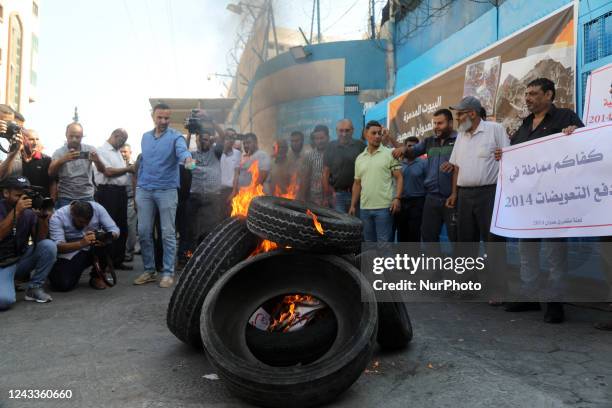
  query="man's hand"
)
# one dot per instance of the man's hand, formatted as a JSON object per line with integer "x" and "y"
{"x": 446, "y": 167}
{"x": 188, "y": 163}
{"x": 93, "y": 156}
{"x": 569, "y": 130}
{"x": 71, "y": 155}
{"x": 16, "y": 143}
{"x": 88, "y": 240}
{"x": 396, "y": 206}
{"x": 451, "y": 201}
{"x": 352, "y": 211}
{"x": 398, "y": 153}
{"x": 3, "y": 126}
{"x": 23, "y": 204}
{"x": 498, "y": 154}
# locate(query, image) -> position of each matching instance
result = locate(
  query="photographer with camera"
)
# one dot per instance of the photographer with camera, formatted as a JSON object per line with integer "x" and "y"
{"x": 72, "y": 165}
{"x": 20, "y": 221}
{"x": 83, "y": 232}
{"x": 10, "y": 141}
{"x": 28, "y": 160}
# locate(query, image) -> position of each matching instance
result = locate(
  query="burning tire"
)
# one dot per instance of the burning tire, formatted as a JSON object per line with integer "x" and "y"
{"x": 230, "y": 243}
{"x": 287, "y": 223}
{"x": 329, "y": 278}
{"x": 394, "y": 326}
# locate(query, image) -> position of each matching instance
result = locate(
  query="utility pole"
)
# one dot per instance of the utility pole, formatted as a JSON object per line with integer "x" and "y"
{"x": 75, "y": 118}
{"x": 391, "y": 48}
{"x": 319, "y": 21}
{"x": 373, "y": 20}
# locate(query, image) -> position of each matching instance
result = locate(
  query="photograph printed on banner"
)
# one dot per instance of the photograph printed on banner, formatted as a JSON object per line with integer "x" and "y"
{"x": 556, "y": 63}
{"x": 481, "y": 79}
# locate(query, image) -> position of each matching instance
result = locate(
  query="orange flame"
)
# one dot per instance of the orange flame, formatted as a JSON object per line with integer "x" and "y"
{"x": 287, "y": 316}
{"x": 264, "y": 246}
{"x": 316, "y": 222}
{"x": 188, "y": 254}
{"x": 240, "y": 203}
{"x": 291, "y": 191}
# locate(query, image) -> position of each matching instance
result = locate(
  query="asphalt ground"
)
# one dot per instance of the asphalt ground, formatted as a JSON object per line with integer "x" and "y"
{"x": 111, "y": 348}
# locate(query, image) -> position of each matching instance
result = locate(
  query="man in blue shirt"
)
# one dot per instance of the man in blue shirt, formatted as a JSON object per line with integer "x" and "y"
{"x": 163, "y": 150}
{"x": 73, "y": 228}
{"x": 414, "y": 171}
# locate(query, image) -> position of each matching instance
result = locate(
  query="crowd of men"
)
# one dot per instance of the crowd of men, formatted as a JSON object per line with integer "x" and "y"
{"x": 409, "y": 191}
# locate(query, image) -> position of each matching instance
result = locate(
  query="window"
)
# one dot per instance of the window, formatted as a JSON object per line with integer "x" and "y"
{"x": 598, "y": 38}
{"x": 13, "y": 91}
{"x": 34, "y": 60}
{"x": 35, "y": 8}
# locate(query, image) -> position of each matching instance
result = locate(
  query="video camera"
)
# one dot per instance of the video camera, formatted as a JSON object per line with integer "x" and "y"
{"x": 198, "y": 121}
{"x": 12, "y": 129}
{"x": 104, "y": 236}
{"x": 39, "y": 201}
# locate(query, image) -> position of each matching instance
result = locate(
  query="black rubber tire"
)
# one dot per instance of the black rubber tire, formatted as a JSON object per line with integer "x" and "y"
{"x": 329, "y": 278}
{"x": 299, "y": 347}
{"x": 285, "y": 222}
{"x": 394, "y": 326}
{"x": 230, "y": 243}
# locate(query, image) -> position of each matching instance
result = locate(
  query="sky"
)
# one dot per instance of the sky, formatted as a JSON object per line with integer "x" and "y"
{"x": 108, "y": 58}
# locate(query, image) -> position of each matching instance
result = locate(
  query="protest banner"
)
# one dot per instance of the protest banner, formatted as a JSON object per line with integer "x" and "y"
{"x": 598, "y": 99}
{"x": 556, "y": 186}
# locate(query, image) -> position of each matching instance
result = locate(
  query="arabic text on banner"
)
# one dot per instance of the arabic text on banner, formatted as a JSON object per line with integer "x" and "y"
{"x": 598, "y": 99}
{"x": 556, "y": 186}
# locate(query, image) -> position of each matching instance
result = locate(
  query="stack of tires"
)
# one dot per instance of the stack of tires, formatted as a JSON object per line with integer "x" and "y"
{"x": 222, "y": 285}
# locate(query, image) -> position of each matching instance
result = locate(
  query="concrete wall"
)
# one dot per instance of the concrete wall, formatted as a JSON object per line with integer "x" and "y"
{"x": 320, "y": 80}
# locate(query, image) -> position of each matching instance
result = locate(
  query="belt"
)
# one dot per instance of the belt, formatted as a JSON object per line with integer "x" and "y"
{"x": 344, "y": 190}
{"x": 111, "y": 187}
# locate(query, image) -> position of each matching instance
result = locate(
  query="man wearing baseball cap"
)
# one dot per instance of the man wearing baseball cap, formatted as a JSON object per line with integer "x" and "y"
{"x": 475, "y": 175}
{"x": 19, "y": 222}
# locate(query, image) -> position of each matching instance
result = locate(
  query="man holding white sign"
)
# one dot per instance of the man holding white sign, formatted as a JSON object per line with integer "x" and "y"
{"x": 545, "y": 119}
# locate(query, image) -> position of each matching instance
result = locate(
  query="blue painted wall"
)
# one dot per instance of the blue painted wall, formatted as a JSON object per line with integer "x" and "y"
{"x": 364, "y": 65}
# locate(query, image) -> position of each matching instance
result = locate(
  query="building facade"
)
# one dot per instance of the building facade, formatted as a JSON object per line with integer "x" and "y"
{"x": 18, "y": 53}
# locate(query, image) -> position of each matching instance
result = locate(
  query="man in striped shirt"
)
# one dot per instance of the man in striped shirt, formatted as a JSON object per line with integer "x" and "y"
{"x": 311, "y": 179}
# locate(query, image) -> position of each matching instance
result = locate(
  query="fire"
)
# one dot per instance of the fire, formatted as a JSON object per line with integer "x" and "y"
{"x": 291, "y": 191}
{"x": 288, "y": 317}
{"x": 264, "y": 246}
{"x": 188, "y": 254}
{"x": 240, "y": 203}
{"x": 316, "y": 222}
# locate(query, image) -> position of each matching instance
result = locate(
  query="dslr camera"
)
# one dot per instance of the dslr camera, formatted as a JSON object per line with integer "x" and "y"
{"x": 39, "y": 201}
{"x": 12, "y": 129}
{"x": 104, "y": 236}
{"x": 198, "y": 121}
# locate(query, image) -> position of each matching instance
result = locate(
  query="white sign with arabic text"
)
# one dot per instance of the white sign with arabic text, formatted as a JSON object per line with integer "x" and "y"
{"x": 556, "y": 186}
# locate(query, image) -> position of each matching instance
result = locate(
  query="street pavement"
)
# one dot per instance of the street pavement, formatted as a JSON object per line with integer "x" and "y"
{"x": 111, "y": 348}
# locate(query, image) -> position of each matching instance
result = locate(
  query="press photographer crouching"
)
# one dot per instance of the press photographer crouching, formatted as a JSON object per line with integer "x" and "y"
{"x": 18, "y": 222}
{"x": 83, "y": 232}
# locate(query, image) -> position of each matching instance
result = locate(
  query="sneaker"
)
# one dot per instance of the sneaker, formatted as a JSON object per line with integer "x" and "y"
{"x": 166, "y": 282}
{"x": 146, "y": 277}
{"x": 37, "y": 295}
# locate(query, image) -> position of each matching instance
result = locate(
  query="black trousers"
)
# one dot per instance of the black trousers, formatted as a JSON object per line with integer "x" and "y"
{"x": 474, "y": 212}
{"x": 408, "y": 220}
{"x": 436, "y": 214}
{"x": 66, "y": 273}
{"x": 114, "y": 199}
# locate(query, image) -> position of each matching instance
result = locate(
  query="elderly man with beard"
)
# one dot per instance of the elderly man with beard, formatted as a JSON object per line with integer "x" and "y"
{"x": 72, "y": 165}
{"x": 474, "y": 183}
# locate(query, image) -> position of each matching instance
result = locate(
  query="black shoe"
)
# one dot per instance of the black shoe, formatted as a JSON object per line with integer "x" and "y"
{"x": 554, "y": 313}
{"x": 522, "y": 306}
{"x": 124, "y": 267}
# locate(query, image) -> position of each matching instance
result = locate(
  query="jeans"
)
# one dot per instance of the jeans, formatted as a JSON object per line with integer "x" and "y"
{"x": 64, "y": 201}
{"x": 66, "y": 273}
{"x": 165, "y": 201}
{"x": 343, "y": 202}
{"x": 39, "y": 259}
{"x": 408, "y": 221}
{"x": 377, "y": 225}
{"x": 554, "y": 252}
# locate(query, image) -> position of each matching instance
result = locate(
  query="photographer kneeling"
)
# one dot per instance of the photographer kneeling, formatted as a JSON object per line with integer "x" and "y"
{"x": 82, "y": 231}
{"x": 19, "y": 222}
